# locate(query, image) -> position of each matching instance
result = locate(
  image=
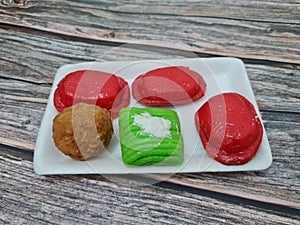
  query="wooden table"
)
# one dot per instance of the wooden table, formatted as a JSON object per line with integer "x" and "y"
{"x": 37, "y": 37}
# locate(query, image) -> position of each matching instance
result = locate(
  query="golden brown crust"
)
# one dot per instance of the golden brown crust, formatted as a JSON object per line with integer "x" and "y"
{"x": 82, "y": 131}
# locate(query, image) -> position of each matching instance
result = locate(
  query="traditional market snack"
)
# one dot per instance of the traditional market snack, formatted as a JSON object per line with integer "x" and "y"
{"x": 82, "y": 131}
{"x": 174, "y": 85}
{"x": 149, "y": 136}
{"x": 94, "y": 87}
{"x": 229, "y": 128}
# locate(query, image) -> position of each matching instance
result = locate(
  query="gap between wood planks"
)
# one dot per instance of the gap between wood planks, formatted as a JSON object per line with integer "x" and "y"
{"x": 142, "y": 45}
{"x": 231, "y": 198}
{"x": 20, "y": 155}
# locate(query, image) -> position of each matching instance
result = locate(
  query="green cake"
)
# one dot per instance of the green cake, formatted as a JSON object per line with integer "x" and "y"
{"x": 150, "y": 136}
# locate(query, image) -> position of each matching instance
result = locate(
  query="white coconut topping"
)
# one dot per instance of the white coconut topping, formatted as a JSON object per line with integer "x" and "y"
{"x": 152, "y": 125}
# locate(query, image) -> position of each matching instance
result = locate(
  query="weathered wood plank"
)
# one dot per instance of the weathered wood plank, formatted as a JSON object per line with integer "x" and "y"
{"x": 276, "y": 89}
{"x": 266, "y": 30}
{"x": 23, "y": 100}
{"x": 27, "y": 198}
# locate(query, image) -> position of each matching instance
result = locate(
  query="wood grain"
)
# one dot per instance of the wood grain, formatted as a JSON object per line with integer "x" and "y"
{"x": 276, "y": 89}
{"x": 267, "y": 30}
{"x": 28, "y": 198}
{"x": 37, "y": 37}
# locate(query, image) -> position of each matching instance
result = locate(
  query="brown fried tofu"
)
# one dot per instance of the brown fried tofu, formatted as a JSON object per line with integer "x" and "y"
{"x": 82, "y": 131}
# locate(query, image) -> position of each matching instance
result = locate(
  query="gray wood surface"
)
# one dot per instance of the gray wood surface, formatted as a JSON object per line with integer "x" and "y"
{"x": 235, "y": 28}
{"x": 91, "y": 199}
{"x": 38, "y": 37}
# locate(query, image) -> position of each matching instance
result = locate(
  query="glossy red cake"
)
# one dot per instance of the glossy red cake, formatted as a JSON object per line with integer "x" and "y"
{"x": 173, "y": 85}
{"x": 93, "y": 87}
{"x": 229, "y": 128}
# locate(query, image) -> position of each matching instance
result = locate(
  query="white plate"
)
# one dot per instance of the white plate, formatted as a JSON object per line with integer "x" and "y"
{"x": 220, "y": 74}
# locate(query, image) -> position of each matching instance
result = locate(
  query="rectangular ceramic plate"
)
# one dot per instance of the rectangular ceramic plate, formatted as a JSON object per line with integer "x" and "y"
{"x": 220, "y": 74}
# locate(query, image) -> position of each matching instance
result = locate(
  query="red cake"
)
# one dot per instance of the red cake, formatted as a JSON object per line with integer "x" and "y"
{"x": 173, "y": 85}
{"x": 93, "y": 87}
{"x": 229, "y": 128}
